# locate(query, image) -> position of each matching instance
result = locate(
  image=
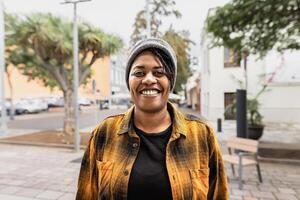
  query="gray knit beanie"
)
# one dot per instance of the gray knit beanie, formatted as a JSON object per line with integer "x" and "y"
{"x": 159, "y": 45}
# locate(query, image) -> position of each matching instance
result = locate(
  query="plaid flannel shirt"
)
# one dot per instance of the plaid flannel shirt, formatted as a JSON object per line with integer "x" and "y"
{"x": 193, "y": 160}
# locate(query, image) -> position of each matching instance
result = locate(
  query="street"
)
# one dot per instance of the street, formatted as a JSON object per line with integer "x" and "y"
{"x": 54, "y": 120}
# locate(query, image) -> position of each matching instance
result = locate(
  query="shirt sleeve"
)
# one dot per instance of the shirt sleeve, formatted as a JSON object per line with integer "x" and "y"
{"x": 218, "y": 186}
{"x": 88, "y": 176}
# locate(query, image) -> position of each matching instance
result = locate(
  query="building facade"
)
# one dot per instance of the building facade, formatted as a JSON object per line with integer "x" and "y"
{"x": 18, "y": 86}
{"x": 193, "y": 91}
{"x": 222, "y": 74}
{"x": 117, "y": 73}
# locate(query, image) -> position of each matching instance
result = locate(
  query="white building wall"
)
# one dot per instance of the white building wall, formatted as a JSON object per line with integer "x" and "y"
{"x": 216, "y": 81}
{"x": 281, "y": 103}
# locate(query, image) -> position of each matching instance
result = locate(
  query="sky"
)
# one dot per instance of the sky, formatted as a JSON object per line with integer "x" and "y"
{"x": 117, "y": 16}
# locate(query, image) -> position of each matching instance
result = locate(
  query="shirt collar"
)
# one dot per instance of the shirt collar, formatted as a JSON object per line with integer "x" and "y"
{"x": 126, "y": 124}
{"x": 179, "y": 122}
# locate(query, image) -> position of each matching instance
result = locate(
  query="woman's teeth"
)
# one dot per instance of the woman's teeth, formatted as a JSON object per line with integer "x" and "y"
{"x": 149, "y": 92}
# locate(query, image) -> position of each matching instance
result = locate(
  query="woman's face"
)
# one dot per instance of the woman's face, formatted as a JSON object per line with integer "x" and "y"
{"x": 149, "y": 85}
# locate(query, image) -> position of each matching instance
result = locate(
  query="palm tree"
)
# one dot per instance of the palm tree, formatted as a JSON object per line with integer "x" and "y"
{"x": 43, "y": 50}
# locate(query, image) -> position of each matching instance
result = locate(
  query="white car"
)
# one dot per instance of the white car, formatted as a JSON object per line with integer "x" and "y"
{"x": 54, "y": 101}
{"x": 7, "y": 106}
{"x": 84, "y": 101}
{"x": 33, "y": 105}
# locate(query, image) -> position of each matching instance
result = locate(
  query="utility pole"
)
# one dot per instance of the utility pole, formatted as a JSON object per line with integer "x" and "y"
{"x": 3, "y": 128}
{"x": 148, "y": 19}
{"x": 75, "y": 71}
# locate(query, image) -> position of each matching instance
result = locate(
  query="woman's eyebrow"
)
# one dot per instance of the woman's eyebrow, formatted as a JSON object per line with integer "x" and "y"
{"x": 138, "y": 67}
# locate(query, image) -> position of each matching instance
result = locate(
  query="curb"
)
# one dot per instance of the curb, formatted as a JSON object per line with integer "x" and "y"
{"x": 41, "y": 144}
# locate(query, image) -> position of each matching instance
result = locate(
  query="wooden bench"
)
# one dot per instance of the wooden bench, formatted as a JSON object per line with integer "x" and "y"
{"x": 242, "y": 152}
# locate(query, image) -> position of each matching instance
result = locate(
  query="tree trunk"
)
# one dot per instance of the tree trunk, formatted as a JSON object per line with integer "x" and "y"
{"x": 12, "y": 109}
{"x": 69, "y": 125}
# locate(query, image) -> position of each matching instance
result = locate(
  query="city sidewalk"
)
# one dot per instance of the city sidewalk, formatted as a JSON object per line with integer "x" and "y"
{"x": 28, "y": 172}
{"x": 32, "y": 173}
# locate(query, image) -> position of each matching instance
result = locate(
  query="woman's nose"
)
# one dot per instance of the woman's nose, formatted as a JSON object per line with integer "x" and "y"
{"x": 149, "y": 78}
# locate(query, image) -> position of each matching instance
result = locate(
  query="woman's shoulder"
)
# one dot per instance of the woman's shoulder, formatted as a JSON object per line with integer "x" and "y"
{"x": 191, "y": 117}
{"x": 198, "y": 122}
{"x": 111, "y": 121}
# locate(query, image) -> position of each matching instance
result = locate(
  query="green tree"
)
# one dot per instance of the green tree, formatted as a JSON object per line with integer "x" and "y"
{"x": 258, "y": 25}
{"x": 157, "y": 9}
{"x": 41, "y": 47}
{"x": 181, "y": 48}
{"x": 178, "y": 40}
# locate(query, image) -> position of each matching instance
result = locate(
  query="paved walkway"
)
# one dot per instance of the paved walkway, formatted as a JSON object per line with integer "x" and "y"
{"x": 36, "y": 173}
{"x": 28, "y": 173}
{"x": 32, "y": 173}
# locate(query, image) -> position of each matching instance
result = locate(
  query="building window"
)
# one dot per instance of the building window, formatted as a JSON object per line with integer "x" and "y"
{"x": 229, "y": 98}
{"x": 231, "y": 58}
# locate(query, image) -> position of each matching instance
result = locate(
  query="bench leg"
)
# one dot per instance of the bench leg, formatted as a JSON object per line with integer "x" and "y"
{"x": 258, "y": 172}
{"x": 240, "y": 173}
{"x": 232, "y": 165}
{"x": 232, "y": 168}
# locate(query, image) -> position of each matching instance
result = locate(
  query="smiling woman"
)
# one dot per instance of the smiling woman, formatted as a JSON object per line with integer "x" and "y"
{"x": 152, "y": 151}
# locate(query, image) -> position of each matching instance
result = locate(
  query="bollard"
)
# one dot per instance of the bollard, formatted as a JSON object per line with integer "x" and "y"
{"x": 219, "y": 125}
{"x": 241, "y": 113}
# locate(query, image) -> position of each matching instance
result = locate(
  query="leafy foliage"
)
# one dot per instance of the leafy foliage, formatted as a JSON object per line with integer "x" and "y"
{"x": 254, "y": 117}
{"x": 158, "y": 9}
{"x": 178, "y": 40}
{"x": 258, "y": 25}
{"x": 181, "y": 47}
{"x": 41, "y": 47}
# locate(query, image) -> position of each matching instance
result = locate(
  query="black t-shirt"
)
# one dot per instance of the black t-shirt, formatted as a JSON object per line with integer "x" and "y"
{"x": 149, "y": 177}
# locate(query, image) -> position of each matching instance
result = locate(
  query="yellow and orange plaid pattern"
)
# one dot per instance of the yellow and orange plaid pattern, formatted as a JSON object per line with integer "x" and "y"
{"x": 193, "y": 160}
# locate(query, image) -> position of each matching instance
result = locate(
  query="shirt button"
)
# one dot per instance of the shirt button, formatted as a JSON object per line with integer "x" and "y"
{"x": 125, "y": 172}
{"x": 135, "y": 145}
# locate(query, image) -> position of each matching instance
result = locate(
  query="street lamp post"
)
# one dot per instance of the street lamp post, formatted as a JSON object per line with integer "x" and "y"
{"x": 3, "y": 128}
{"x": 75, "y": 71}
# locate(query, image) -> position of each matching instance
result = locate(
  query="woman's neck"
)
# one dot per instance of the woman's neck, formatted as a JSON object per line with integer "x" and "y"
{"x": 152, "y": 122}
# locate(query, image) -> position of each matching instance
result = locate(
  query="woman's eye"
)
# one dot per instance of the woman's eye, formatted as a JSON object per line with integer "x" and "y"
{"x": 159, "y": 73}
{"x": 138, "y": 73}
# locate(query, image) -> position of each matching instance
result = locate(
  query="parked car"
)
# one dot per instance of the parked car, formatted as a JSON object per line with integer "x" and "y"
{"x": 104, "y": 104}
{"x": 32, "y": 105}
{"x": 7, "y": 106}
{"x": 17, "y": 110}
{"x": 82, "y": 101}
{"x": 54, "y": 101}
{"x": 120, "y": 101}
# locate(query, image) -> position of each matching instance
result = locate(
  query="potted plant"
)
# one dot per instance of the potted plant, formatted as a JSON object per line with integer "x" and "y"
{"x": 254, "y": 119}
